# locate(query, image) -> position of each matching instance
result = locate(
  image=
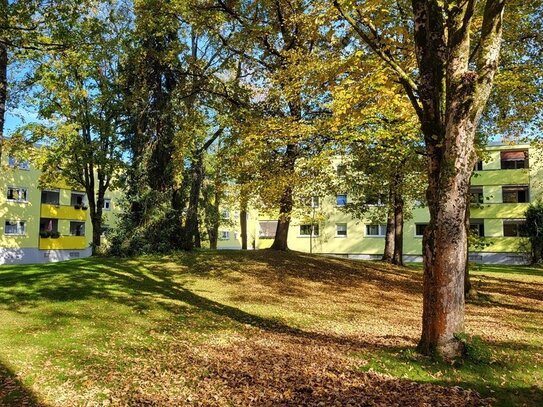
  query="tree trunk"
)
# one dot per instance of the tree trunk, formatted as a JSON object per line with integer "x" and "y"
{"x": 3, "y": 74}
{"x": 468, "y": 288}
{"x": 448, "y": 93}
{"x": 445, "y": 241}
{"x": 285, "y": 206}
{"x": 388, "y": 253}
{"x": 243, "y": 225}
{"x": 398, "y": 229}
{"x": 191, "y": 222}
{"x": 213, "y": 225}
{"x": 96, "y": 205}
{"x": 280, "y": 241}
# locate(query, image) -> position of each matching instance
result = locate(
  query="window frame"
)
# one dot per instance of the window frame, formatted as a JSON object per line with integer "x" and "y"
{"x": 514, "y": 222}
{"x": 108, "y": 201}
{"x": 224, "y": 233}
{"x": 337, "y": 200}
{"x": 84, "y": 228}
{"x": 525, "y": 161}
{"x": 417, "y": 225}
{"x": 312, "y": 229}
{"x": 18, "y": 193}
{"x": 381, "y": 230}
{"x": 516, "y": 189}
{"x": 18, "y": 224}
{"x": 479, "y": 192}
{"x": 21, "y": 165}
{"x": 337, "y": 230}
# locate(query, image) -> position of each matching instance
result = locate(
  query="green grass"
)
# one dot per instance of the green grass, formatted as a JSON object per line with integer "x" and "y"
{"x": 99, "y": 329}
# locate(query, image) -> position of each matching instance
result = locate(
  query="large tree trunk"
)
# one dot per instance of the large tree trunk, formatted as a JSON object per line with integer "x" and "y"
{"x": 452, "y": 98}
{"x": 213, "y": 222}
{"x": 243, "y": 224}
{"x": 388, "y": 253}
{"x": 96, "y": 205}
{"x": 397, "y": 257}
{"x": 285, "y": 206}
{"x": 281, "y": 233}
{"x": 191, "y": 222}
{"x": 3, "y": 74}
{"x": 467, "y": 280}
{"x": 448, "y": 94}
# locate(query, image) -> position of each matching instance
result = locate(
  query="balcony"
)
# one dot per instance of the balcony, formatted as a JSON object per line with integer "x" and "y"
{"x": 63, "y": 212}
{"x": 63, "y": 243}
{"x": 501, "y": 177}
{"x": 499, "y": 210}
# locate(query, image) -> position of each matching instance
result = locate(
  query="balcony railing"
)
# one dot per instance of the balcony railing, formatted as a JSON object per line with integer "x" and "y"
{"x": 63, "y": 243}
{"x": 63, "y": 212}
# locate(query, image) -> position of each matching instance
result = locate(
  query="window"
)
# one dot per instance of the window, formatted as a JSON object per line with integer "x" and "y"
{"x": 341, "y": 229}
{"x": 17, "y": 194}
{"x": 419, "y": 229}
{"x": 511, "y": 160}
{"x": 50, "y": 197}
{"x": 225, "y": 214}
{"x": 107, "y": 204}
{"x": 77, "y": 199}
{"x": 476, "y": 195}
{"x": 341, "y": 170}
{"x": 376, "y": 230}
{"x": 515, "y": 194}
{"x": 266, "y": 229}
{"x": 15, "y": 227}
{"x": 478, "y": 166}
{"x": 305, "y": 230}
{"x": 514, "y": 228}
{"x": 225, "y": 235}
{"x": 314, "y": 202}
{"x": 341, "y": 199}
{"x": 77, "y": 228}
{"x": 376, "y": 199}
{"x": 477, "y": 227}
{"x": 14, "y": 163}
{"x": 48, "y": 225}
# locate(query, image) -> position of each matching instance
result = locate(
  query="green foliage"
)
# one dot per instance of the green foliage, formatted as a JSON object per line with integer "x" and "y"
{"x": 534, "y": 230}
{"x": 476, "y": 350}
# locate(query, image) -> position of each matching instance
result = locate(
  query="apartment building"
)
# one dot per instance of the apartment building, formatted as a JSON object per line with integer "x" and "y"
{"x": 53, "y": 224}
{"x": 503, "y": 186}
{"x": 42, "y": 225}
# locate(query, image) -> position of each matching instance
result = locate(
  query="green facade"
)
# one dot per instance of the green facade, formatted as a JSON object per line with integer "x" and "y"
{"x": 492, "y": 212}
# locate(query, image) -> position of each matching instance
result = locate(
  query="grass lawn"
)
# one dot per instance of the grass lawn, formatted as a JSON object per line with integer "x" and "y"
{"x": 257, "y": 328}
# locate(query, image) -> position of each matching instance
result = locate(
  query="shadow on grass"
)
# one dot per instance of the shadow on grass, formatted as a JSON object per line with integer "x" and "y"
{"x": 404, "y": 362}
{"x": 13, "y": 392}
{"x": 146, "y": 286}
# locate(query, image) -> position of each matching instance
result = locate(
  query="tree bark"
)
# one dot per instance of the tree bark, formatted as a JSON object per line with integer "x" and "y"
{"x": 3, "y": 73}
{"x": 191, "y": 221}
{"x": 398, "y": 229}
{"x": 452, "y": 99}
{"x": 213, "y": 231}
{"x": 467, "y": 280}
{"x": 286, "y": 204}
{"x": 448, "y": 94}
{"x": 388, "y": 253}
{"x": 243, "y": 225}
{"x": 280, "y": 241}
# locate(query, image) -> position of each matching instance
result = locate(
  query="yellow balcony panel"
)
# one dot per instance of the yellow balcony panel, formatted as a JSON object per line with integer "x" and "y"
{"x": 63, "y": 243}
{"x": 501, "y": 177}
{"x": 504, "y": 245}
{"x": 499, "y": 211}
{"x": 63, "y": 212}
